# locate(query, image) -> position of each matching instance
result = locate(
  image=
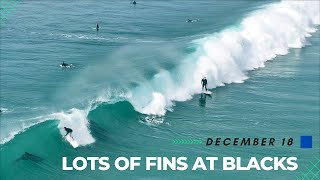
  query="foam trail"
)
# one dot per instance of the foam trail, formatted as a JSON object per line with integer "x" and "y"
{"x": 75, "y": 119}
{"x": 225, "y": 57}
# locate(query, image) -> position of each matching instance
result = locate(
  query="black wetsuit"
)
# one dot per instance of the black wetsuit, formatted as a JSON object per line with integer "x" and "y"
{"x": 64, "y": 64}
{"x": 97, "y": 27}
{"x": 68, "y": 130}
{"x": 204, "y": 84}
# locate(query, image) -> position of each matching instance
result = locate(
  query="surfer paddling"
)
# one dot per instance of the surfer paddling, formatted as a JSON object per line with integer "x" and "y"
{"x": 204, "y": 83}
{"x": 192, "y": 20}
{"x": 64, "y": 64}
{"x": 68, "y": 130}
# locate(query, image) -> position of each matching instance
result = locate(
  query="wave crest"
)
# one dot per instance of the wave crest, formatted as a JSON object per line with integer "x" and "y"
{"x": 225, "y": 57}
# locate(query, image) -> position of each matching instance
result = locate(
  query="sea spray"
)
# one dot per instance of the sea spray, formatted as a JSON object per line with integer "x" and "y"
{"x": 225, "y": 57}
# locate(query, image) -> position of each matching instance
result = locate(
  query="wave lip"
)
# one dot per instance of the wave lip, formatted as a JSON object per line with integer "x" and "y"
{"x": 14, "y": 133}
{"x": 225, "y": 57}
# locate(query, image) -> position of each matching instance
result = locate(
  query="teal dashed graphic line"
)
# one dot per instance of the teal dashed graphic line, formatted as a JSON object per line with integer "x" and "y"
{"x": 187, "y": 141}
{"x": 313, "y": 171}
{"x": 305, "y": 176}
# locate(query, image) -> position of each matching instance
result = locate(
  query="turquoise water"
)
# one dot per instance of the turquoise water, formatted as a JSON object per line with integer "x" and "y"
{"x": 147, "y": 62}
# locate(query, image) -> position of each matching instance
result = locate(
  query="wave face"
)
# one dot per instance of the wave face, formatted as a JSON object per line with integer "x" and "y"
{"x": 225, "y": 57}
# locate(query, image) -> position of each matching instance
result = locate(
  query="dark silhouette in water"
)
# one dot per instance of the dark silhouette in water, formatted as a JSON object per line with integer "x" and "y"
{"x": 134, "y": 2}
{"x": 97, "y": 27}
{"x": 202, "y": 100}
{"x": 192, "y": 20}
{"x": 64, "y": 64}
{"x": 28, "y": 156}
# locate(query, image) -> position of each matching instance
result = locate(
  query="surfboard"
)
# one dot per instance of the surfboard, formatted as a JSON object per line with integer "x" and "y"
{"x": 73, "y": 142}
{"x": 207, "y": 92}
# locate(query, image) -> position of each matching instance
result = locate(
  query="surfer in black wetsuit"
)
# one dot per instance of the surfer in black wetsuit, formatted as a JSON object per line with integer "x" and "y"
{"x": 64, "y": 64}
{"x": 97, "y": 27}
{"x": 134, "y": 2}
{"x": 204, "y": 83}
{"x": 68, "y": 130}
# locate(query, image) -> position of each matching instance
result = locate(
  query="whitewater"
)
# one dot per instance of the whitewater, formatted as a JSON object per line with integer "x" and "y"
{"x": 224, "y": 57}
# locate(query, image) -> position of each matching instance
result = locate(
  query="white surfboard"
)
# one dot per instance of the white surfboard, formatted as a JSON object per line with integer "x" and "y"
{"x": 73, "y": 142}
{"x": 207, "y": 92}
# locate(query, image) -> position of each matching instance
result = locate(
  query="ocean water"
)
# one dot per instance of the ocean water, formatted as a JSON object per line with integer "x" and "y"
{"x": 261, "y": 59}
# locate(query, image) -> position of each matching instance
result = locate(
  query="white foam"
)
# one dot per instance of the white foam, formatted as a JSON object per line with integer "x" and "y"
{"x": 157, "y": 104}
{"x": 25, "y": 126}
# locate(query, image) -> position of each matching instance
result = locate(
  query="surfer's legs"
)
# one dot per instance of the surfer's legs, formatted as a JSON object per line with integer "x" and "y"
{"x": 69, "y": 135}
{"x": 204, "y": 86}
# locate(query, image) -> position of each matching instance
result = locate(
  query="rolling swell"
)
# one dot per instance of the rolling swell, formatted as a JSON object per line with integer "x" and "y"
{"x": 105, "y": 117}
{"x": 223, "y": 58}
{"x": 44, "y": 139}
